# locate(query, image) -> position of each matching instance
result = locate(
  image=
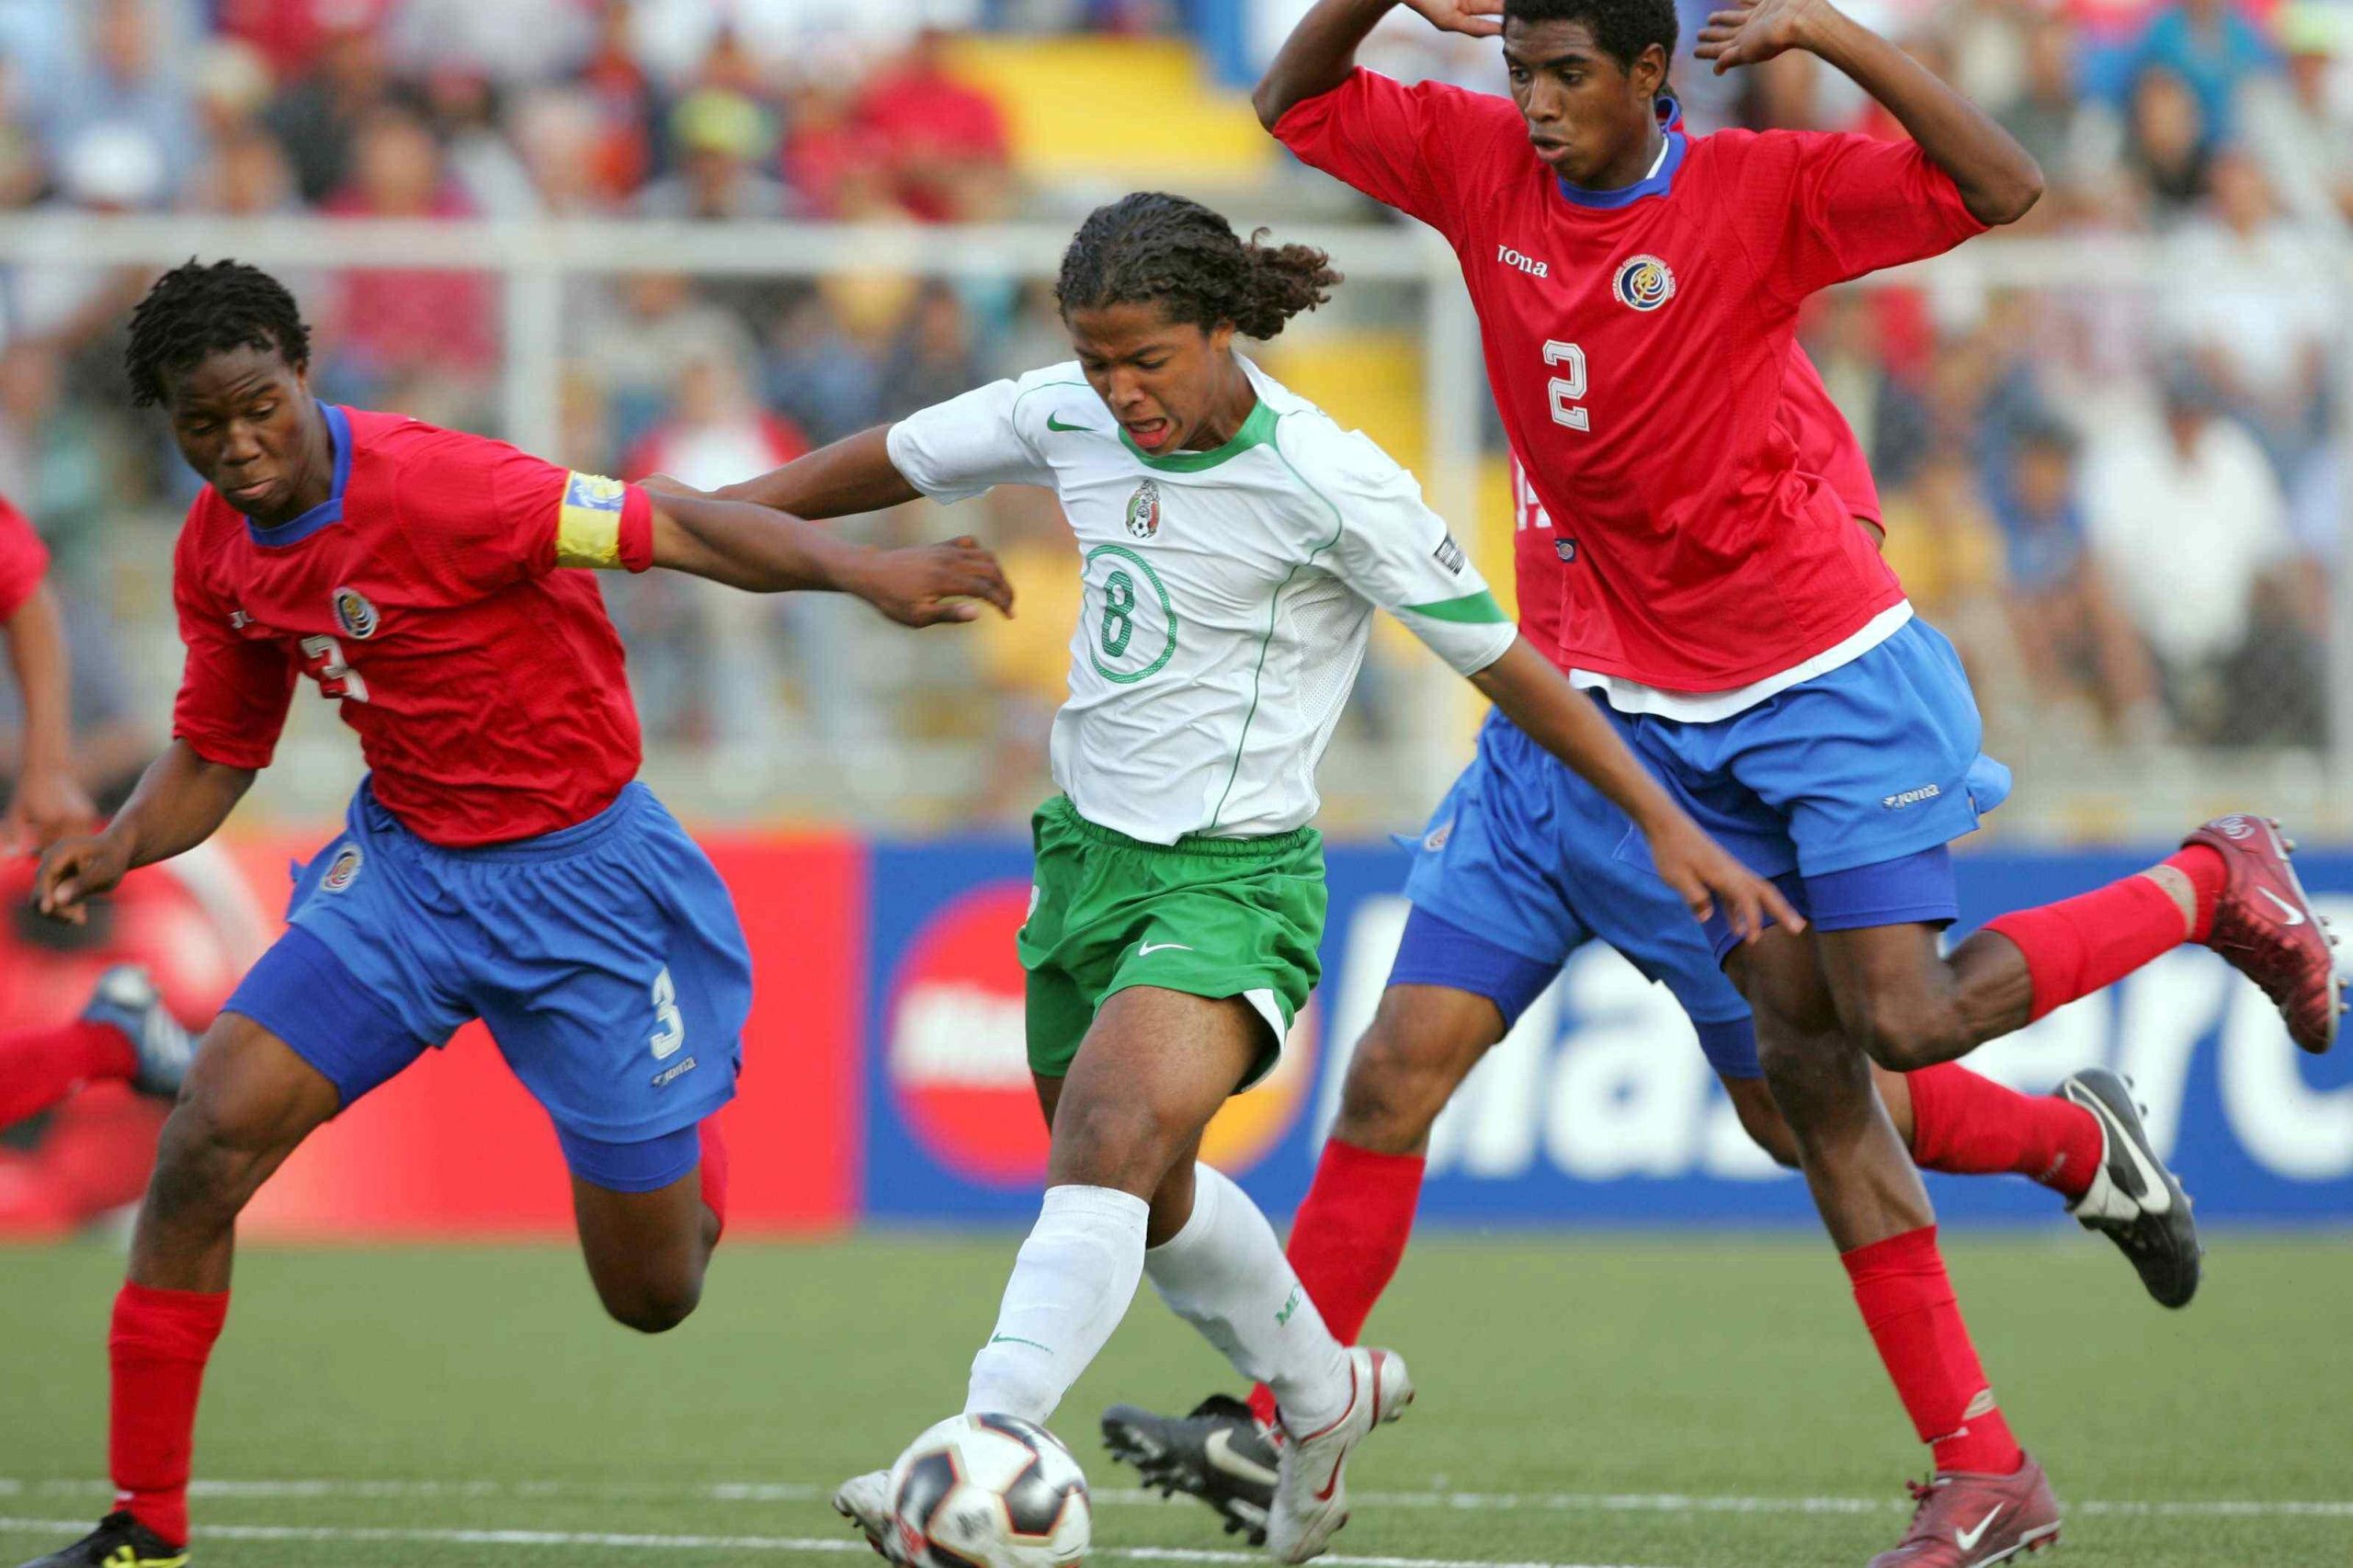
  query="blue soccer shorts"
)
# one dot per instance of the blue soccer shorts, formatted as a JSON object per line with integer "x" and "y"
{"x": 1519, "y": 868}
{"x": 1844, "y": 790}
{"x": 604, "y": 957}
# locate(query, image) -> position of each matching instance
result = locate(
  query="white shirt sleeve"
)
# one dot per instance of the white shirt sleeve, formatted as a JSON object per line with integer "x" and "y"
{"x": 955, "y": 451}
{"x": 1393, "y": 551}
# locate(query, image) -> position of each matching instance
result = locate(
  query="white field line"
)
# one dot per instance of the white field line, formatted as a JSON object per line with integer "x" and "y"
{"x": 1469, "y": 1502}
{"x": 732, "y": 1543}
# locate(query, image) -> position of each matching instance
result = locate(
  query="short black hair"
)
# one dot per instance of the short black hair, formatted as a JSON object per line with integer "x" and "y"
{"x": 195, "y": 309}
{"x": 1622, "y": 29}
{"x": 1154, "y": 248}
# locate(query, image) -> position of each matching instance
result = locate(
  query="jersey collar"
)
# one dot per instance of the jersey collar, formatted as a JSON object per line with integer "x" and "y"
{"x": 1658, "y": 182}
{"x": 326, "y": 513}
{"x": 1256, "y": 430}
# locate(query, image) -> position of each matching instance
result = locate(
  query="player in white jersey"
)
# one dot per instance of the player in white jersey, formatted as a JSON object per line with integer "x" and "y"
{"x": 1235, "y": 543}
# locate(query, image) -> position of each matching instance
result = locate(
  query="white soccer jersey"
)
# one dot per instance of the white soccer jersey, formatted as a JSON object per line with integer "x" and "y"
{"x": 1228, "y": 594}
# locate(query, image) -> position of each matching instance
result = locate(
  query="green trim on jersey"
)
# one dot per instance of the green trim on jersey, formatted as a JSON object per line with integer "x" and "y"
{"x": 1167, "y": 608}
{"x": 1471, "y": 610}
{"x": 1213, "y": 917}
{"x": 1256, "y": 430}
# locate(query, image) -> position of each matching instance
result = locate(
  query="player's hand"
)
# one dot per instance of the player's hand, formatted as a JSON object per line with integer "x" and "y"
{"x": 47, "y": 806}
{"x": 76, "y": 870}
{"x": 663, "y": 485}
{"x": 1704, "y": 872}
{"x": 1479, "y": 18}
{"x": 933, "y": 583}
{"x": 1752, "y": 33}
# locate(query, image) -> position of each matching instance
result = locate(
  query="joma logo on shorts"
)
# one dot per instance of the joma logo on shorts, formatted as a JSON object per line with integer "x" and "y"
{"x": 1911, "y": 797}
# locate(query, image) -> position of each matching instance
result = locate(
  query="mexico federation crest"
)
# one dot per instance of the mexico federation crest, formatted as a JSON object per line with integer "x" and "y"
{"x": 1143, "y": 511}
{"x": 344, "y": 872}
{"x": 1642, "y": 283}
{"x": 355, "y": 613}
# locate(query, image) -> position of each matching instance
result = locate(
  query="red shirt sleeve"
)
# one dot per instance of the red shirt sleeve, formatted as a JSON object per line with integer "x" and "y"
{"x": 1840, "y": 206}
{"x": 487, "y": 515}
{"x": 234, "y": 690}
{"x": 24, "y": 560}
{"x": 1409, "y": 147}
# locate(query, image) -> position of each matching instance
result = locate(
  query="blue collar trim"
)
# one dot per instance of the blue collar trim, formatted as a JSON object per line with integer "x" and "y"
{"x": 327, "y": 513}
{"x": 1658, "y": 184}
{"x": 1669, "y": 112}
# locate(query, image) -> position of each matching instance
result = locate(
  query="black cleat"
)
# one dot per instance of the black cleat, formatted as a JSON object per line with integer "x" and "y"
{"x": 1219, "y": 1454}
{"x": 120, "y": 1542}
{"x": 2134, "y": 1200}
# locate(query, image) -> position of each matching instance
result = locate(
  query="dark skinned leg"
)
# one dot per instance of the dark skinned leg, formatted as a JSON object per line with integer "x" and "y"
{"x": 1761, "y": 1119}
{"x": 646, "y": 1251}
{"x": 1423, "y": 1042}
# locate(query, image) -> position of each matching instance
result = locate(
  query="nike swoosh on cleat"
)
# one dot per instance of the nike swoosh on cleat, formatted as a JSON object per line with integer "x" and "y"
{"x": 2155, "y": 1196}
{"x": 1967, "y": 1539}
{"x": 1219, "y": 1448}
{"x": 2288, "y": 913}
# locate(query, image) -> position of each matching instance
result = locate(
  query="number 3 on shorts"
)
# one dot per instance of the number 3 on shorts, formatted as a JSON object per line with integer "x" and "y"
{"x": 669, "y": 1030}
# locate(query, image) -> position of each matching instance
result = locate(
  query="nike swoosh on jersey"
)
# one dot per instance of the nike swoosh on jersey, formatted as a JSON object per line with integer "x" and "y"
{"x": 1968, "y": 1540}
{"x": 1219, "y": 1449}
{"x": 1144, "y": 948}
{"x": 2288, "y": 913}
{"x": 1054, "y": 423}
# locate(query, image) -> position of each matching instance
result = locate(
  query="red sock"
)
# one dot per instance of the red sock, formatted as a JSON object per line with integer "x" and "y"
{"x": 2079, "y": 944}
{"x": 1349, "y": 1238}
{"x": 1908, "y": 1306}
{"x": 714, "y": 1168}
{"x": 158, "y": 1348}
{"x": 1972, "y": 1126}
{"x": 40, "y": 1067}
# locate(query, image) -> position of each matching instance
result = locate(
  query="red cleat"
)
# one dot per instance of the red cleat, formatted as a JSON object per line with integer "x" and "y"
{"x": 1970, "y": 1521}
{"x": 2269, "y": 931}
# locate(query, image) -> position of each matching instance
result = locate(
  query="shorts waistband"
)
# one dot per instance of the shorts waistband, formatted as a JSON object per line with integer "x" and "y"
{"x": 1061, "y": 811}
{"x": 563, "y": 843}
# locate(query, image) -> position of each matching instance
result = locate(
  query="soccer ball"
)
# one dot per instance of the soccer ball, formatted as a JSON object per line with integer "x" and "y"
{"x": 989, "y": 1492}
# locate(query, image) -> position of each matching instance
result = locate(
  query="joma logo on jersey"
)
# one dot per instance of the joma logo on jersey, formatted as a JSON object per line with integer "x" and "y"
{"x": 355, "y": 613}
{"x": 1526, "y": 263}
{"x": 1642, "y": 283}
{"x": 1912, "y": 797}
{"x": 1143, "y": 511}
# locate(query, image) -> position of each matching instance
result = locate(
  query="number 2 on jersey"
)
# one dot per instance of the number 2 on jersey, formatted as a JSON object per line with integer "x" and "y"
{"x": 1566, "y": 390}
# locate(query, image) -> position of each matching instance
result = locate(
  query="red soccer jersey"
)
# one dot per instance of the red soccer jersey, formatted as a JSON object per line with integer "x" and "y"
{"x": 1638, "y": 345}
{"x": 23, "y": 560}
{"x": 486, "y": 685}
{"x": 1825, "y": 445}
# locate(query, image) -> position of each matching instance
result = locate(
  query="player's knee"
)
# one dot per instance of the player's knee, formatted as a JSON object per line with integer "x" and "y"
{"x": 653, "y": 1306}
{"x": 1106, "y": 1141}
{"x": 1905, "y": 1034}
{"x": 1398, "y": 1081}
{"x": 1762, "y": 1120}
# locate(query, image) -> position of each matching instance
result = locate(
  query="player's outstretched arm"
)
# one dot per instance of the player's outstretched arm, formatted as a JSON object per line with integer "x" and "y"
{"x": 852, "y": 475}
{"x": 1565, "y": 722}
{"x": 1998, "y": 178}
{"x": 1322, "y": 50}
{"x": 47, "y": 803}
{"x": 181, "y": 800}
{"x": 768, "y": 551}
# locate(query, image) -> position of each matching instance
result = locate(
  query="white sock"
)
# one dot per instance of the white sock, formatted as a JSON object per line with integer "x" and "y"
{"x": 1072, "y": 1283}
{"x": 1226, "y": 1275}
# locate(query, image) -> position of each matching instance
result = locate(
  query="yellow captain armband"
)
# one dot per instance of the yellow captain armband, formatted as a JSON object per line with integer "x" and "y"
{"x": 588, "y": 532}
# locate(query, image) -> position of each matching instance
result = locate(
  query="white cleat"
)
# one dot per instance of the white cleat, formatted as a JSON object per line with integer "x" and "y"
{"x": 1310, "y": 1491}
{"x": 865, "y": 1501}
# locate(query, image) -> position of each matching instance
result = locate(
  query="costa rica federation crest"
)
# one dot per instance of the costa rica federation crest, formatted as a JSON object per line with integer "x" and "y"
{"x": 1642, "y": 283}
{"x": 344, "y": 872}
{"x": 355, "y": 613}
{"x": 1143, "y": 511}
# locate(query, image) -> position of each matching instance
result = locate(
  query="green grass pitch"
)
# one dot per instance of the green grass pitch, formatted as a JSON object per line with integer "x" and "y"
{"x": 1686, "y": 1401}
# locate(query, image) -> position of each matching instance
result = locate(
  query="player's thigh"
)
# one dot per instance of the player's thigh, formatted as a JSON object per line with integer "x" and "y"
{"x": 1153, "y": 1069}
{"x": 1423, "y": 1042}
{"x": 1894, "y": 993}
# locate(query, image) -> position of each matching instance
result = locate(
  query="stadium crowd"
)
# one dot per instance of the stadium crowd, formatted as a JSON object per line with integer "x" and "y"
{"x": 2123, "y": 500}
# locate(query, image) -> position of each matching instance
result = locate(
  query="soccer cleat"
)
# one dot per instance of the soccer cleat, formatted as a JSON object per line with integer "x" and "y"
{"x": 127, "y": 1001}
{"x": 2133, "y": 1199}
{"x": 120, "y": 1542}
{"x": 865, "y": 1501}
{"x": 1971, "y": 1521}
{"x": 1311, "y": 1497}
{"x": 1219, "y": 1454}
{"x": 2269, "y": 931}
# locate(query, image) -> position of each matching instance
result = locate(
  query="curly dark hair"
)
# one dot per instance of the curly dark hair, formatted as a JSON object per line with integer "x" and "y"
{"x": 1622, "y": 29}
{"x": 1154, "y": 248}
{"x": 195, "y": 309}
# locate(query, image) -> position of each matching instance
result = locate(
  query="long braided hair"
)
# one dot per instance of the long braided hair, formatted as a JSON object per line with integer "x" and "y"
{"x": 1154, "y": 248}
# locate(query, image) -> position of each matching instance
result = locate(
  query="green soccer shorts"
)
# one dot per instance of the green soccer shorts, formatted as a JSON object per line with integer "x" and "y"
{"x": 1208, "y": 916}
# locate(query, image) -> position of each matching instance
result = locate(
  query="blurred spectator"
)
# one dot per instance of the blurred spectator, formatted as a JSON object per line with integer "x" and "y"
{"x": 465, "y": 112}
{"x": 291, "y": 34}
{"x": 558, "y": 137}
{"x": 933, "y": 359}
{"x": 722, "y": 139}
{"x": 247, "y": 176}
{"x": 2047, "y": 115}
{"x": 231, "y": 87}
{"x": 628, "y": 106}
{"x": 2167, "y": 143}
{"x": 836, "y": 164}
{"x": 817, "y": 374}
{"x": 2302, "y": 124}
{"x": 2188, "y": 522}
{"x": 509, "y": 41}
{"x": 344, "y": 82}
{"x": 402, "y": 335}
{"x": 125, "y": 85}
{"x": 633, "y": 340}
{"x": 2214, "y": 48}
{"x": 944, "y": 140}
